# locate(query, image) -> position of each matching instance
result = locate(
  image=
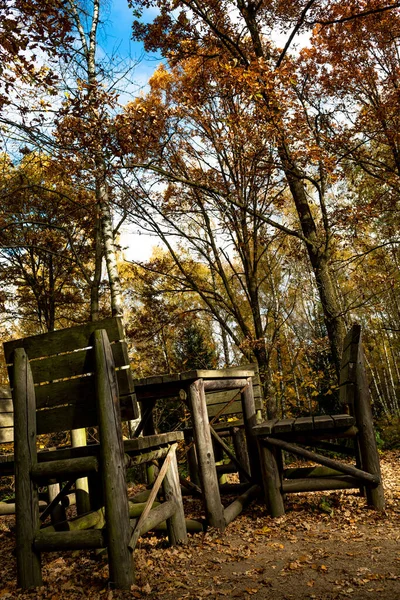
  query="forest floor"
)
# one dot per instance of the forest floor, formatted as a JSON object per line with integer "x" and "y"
{"x": 328, "y": 546}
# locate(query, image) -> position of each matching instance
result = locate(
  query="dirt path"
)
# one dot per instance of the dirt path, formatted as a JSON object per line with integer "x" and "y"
{"x": 328, "y": 546}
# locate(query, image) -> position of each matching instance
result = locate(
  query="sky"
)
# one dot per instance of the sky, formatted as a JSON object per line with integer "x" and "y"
{"x": 116, "y": 36}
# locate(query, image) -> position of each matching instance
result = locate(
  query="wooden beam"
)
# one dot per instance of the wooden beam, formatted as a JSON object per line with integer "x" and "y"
{"x": 61, "y": 470}
{"x": 323, "y": 460}
{"x": 320, "y": 484}
{"x": 69, "y": 540}
{"x": 153, "y": 494}
{"x": 235, "y": 508}
{"x": 231, "y": 455}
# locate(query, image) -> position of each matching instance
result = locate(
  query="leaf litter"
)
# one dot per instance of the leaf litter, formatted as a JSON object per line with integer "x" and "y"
{"x": 327, "y": 546}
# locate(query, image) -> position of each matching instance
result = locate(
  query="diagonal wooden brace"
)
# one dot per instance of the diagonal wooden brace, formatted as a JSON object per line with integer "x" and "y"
{"x": 152, "y": 497}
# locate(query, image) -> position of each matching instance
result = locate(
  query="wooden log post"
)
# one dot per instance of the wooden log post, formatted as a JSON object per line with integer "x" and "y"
{"x": 205, "y": 455}
{"x": 250, "y": 420}
{"x": 193, "y": 466}
{"x": 78, "y": 439}
{"x": 219, "y": 460}
{"x": 57, "y": 514}
{"x": 272, "y": 479}
{"x": 172, "y": 490}
{"x": 366, "y": 437}
{"x": 240, "y": 446}
{"x": 26, "y": 495}
{"x": 149, "y": 429}
{"x": 112, "y": 464}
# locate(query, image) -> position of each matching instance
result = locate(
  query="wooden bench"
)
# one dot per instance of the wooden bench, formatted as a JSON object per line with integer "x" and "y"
{"x": 74, "y": 378}
{"x": 295, "y": 435}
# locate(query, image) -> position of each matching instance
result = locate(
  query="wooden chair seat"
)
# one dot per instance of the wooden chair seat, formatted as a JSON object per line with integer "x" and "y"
{"x": 295, "y": 436}
{"x": 317, "y": 425}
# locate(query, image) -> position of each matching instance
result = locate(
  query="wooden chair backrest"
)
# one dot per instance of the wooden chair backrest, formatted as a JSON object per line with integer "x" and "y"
{"x": 6, "y": 415}
{"x": 62, "y": 368}
{"x": 217, "y": 400}
{"x": 348, "y": 368}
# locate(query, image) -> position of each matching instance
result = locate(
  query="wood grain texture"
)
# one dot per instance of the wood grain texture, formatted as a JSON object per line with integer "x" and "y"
{"x": 205, "y": 456}
{"x": 65, "y": 340}
{"x": 172, "y": 490}
{"x": 26, "y": 495}
{"x": 112, "y": 464}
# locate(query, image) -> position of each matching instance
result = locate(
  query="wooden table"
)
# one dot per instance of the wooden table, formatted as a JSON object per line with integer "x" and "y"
{"x": 195, "y": 384}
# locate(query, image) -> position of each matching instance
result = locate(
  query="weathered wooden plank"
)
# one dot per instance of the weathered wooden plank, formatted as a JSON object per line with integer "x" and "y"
{"x": 265, "y": 428}
{"x": 64, "y": 418}
{"x": 5, "y": 392}
{"x": 234, "y": 408}
{"x": 225, "y": 396}
{"x": 343, "y": 421}
{"x": 6, "y": 405}
{"x": 303, "y": 424}
{"x": 350, "y": 354}
{"x": 146, "y": 392}
{"x": 283, "y": 426}
{"x": 26, "y": 495}
{"x": 71, "y": 364}
{"x": 6, "y": 435}
{"x": 323, "y": 422}
{"x": 216, "y": 374}
{"x": 348, "y": 374}
{"x": 152, "y": 441}
{"x": 224, "y": 384}
{"x": 64, "y": 340}
{"x": 6, "y": 419}
{"x": 78, "y": 391}
{"x": 112, "y": 460}
{"x": 346, "y": 395}
{"x": 353, "y": 337}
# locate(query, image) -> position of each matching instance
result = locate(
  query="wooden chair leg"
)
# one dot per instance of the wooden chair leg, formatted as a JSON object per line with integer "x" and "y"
{"x": 27, "y": 501}
{"x": 366, "y": 436}
{"x": 193, "y": 465}
{"x": 172, "y": 490}
{"x": 112, "y": 465}
{"x": 240, "y": 446}
{"x": 271, "y": 475}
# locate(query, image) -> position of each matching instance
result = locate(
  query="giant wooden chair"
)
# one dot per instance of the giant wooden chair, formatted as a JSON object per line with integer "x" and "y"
{"x": 69, "y": 379}
{"x": 296, "y": 436}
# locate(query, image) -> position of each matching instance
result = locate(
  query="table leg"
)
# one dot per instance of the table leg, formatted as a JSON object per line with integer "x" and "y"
{"x": 205, "y": 455}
